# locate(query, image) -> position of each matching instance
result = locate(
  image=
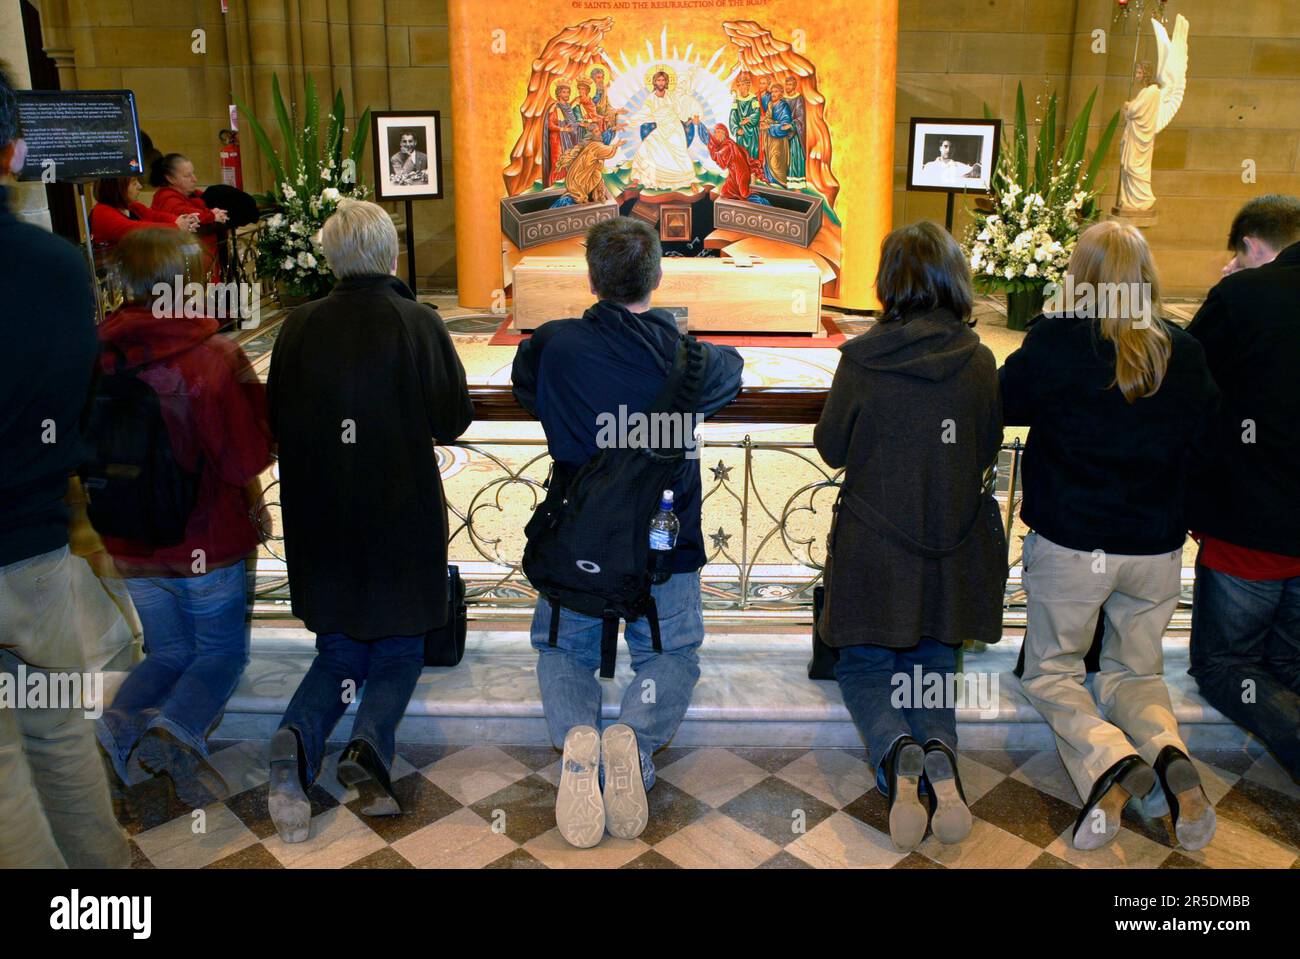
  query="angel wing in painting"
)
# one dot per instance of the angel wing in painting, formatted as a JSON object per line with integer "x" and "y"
{"x": 567, "y": 55}
{"x": 806, "y": 157}
{"x": 1150, "y": 112}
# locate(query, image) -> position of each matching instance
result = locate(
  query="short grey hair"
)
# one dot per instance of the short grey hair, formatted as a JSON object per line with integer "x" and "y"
{"x": 358, "y": 239}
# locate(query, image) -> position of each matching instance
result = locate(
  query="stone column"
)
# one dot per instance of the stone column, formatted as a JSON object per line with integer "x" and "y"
{"x": 26, "y": 200}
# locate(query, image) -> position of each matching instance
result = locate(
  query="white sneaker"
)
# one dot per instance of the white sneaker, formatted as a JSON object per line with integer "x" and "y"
{"x": 579, "y": 811}
{"x": 626, "y": 809}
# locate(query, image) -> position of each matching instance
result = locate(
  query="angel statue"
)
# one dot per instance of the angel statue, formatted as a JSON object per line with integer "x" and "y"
{"x": 1148, "y": 113}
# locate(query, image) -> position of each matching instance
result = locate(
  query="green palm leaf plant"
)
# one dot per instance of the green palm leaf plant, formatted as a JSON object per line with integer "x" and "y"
{"x": 309, "y": 183}
{"x": 1039, "y": 207}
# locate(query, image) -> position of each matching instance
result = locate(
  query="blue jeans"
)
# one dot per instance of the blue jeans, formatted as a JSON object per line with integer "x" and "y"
{"x": 196, "y": 648}
{"x": 1246, "y": 639}
{"x": 387, "y": 669}
{"x": 656, "y": 700}
{"x": 866, "y": 674}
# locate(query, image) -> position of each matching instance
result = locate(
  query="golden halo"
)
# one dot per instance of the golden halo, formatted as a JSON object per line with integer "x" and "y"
{"x": 658, "y": 68}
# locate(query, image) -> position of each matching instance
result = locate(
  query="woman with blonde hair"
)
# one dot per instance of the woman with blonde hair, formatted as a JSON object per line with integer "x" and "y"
{"x": 1118, "y": 404}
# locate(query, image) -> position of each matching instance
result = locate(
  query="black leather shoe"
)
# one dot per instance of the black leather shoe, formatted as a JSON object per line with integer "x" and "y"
{"x": 950, "y": 817}
{"x": 360, "y": 767}
{"x": 1099, "y": 820}
{"x": 904, "y": 768}
{"x": 286, "y": 798}
{"x": 1189, "y": 807}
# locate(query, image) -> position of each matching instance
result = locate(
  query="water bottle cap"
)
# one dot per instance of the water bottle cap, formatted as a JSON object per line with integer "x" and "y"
{"x": 668, "y": 496}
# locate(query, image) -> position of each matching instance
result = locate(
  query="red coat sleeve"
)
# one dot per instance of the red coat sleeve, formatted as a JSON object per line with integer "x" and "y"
{"x": 167, "y": 200}
{"x": 109, "y": 224}
{"x": 153, "y": 216}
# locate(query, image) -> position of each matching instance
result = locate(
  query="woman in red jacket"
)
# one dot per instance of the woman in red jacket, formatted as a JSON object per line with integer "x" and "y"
{"x": 117, "y": 212}
{"x": 191, "y": 596}
{"x": 177, "y": 192}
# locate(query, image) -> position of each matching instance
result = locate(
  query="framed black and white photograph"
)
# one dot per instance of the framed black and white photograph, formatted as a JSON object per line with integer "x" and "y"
{"x": 952, "y": 155}
{"x": 407, "y": 147}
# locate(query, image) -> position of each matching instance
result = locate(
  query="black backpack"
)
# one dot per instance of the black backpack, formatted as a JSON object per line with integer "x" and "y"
{"x": 137, "y": 489}
{"x": 588, "y": 541}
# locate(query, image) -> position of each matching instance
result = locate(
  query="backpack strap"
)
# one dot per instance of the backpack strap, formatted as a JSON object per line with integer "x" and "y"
{"x": 553, "y": 637}
{"x": 608, "y": 644}
{"x": 652, "y": 617}
{"x": 684, "y": 386}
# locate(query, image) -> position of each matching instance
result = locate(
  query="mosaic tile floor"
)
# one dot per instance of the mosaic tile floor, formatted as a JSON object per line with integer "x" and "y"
{"x": 493, "y": 807}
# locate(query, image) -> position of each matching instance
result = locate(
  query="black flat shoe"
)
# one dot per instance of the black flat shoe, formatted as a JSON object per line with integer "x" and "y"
{"x": 904, "y": 768}
{"x": 1189, "y": 807}
{"x": 950, "y": 817}
{"x": 361, "y": 768}
{"x": 1099, "y": 820}
{"x": 286, "y": 799}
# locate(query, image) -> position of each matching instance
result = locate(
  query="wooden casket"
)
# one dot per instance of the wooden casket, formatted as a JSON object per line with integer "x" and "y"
{"x": 716, "y": 294}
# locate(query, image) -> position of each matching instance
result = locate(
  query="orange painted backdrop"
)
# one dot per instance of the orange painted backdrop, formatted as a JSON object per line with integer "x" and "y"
{"x": 853, "y": 45}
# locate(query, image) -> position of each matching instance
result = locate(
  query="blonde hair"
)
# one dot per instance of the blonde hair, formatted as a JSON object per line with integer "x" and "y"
{"x": 144, "y": 258}
{"x": 1113, "y": 259}
{"x": 359, "y": 239}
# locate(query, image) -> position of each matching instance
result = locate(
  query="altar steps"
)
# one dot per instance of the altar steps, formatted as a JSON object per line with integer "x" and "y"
{"x": 753, "y": 691}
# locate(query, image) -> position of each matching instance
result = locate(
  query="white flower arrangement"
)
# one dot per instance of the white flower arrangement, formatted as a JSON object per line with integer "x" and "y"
{"x": 1027, "y": 241}
{"x": 289, "y": 243}
{"x": 308, "y": 171}
{"x": 1040, "y": 201}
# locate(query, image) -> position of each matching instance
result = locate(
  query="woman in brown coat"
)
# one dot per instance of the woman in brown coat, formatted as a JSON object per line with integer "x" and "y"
{"x": 919, "y": 555}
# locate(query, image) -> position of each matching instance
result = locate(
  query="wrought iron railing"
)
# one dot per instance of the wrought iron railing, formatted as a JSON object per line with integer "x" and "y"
{"x": 766, "y": 511}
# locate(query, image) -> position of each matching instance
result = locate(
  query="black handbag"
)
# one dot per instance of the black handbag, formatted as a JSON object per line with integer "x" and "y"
{"x": 824, "y": 658}
{"x": 445, "y": 645}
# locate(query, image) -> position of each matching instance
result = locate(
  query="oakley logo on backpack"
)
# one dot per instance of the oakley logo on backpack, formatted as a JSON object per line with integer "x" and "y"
{"x": 587, "y": 566}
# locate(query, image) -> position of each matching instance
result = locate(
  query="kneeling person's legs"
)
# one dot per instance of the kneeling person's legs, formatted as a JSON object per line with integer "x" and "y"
{"x": 656, "y": 701}
{"x": 566, "y": 671}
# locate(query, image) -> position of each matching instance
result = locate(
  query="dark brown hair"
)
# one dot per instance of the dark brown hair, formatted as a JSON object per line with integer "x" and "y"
{"x": 623, "y": 257}
{"x": 1274, "y": 218}
{"x": 112, "y": 191}
{"x": 164, "y": 166}
{"x": 923, "y": 269}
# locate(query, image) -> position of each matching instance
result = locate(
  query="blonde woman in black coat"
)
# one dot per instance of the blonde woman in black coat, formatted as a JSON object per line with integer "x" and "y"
{"x": 918, "y": 553}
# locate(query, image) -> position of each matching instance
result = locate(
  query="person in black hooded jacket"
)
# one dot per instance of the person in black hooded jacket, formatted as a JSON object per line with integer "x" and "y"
{"x": 918, "y": 554}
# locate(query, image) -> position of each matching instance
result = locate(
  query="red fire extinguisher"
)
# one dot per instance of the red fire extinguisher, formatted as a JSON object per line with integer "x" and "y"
{"x": 232, "y": 173}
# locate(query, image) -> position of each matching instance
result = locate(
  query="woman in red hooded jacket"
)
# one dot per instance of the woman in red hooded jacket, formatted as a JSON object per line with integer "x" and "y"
{"x": 177, "y": 192}
{"x": 191, "y": 596}
{"x": 117, "y": 212}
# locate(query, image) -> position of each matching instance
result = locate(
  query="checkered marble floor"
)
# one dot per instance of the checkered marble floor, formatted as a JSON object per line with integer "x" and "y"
{"x": 486, "y": 806}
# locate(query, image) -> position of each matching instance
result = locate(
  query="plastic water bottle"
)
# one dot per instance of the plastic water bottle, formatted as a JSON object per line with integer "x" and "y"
{"x": 664, "y": 526}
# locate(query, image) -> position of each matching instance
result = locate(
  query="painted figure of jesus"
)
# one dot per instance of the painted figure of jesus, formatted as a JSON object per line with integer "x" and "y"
{"x": 662, "y": 162}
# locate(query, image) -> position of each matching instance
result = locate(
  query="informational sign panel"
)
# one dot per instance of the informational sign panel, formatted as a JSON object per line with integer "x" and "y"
{"x": 79, "y": 134}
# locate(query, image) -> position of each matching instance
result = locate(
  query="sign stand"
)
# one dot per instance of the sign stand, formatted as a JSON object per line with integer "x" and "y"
{"x": 90, "y": 254}
{"x": 410, "y": 247}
